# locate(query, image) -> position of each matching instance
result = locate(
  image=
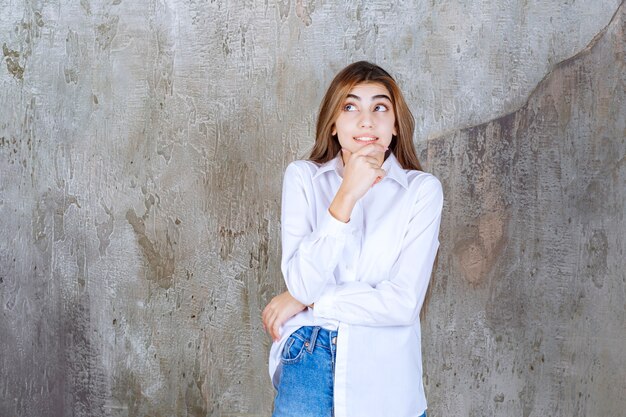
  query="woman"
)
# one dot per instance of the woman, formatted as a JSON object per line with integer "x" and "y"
{"x": 360, "y": 225}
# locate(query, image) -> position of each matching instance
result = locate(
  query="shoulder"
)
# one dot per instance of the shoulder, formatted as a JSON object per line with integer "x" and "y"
{"x": 426, "y": 190}
{"x": 302, "y": 167}
{"x": 423, "y": 182}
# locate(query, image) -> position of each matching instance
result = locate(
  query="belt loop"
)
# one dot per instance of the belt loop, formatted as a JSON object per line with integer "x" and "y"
{"x": 313, "y": 338}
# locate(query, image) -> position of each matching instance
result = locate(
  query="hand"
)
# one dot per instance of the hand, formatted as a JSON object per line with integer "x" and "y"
{"x": 278, "y": 311}
{"x": 362, "y": 170}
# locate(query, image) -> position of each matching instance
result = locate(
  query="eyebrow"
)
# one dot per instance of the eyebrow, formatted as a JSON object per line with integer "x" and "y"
{"x": 377, "y": 96}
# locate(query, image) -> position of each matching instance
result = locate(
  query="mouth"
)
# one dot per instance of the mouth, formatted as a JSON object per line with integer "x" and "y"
{"x": 366, "y": 139}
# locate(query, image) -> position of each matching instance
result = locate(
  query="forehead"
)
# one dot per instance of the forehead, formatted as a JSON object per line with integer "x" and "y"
{"x": 369, "y": 90}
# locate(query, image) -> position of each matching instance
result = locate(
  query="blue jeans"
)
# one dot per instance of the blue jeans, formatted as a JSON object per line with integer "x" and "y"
{"x": 307, "y": 375}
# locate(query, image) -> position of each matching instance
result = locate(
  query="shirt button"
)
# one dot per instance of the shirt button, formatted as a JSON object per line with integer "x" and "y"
{"x": 334, "y": 340}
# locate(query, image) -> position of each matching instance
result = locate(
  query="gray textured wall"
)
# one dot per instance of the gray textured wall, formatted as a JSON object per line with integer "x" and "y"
{"x": 142, "y": 145}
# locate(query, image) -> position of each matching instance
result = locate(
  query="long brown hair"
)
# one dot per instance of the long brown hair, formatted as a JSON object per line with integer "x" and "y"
{"x": 327, "y": 145}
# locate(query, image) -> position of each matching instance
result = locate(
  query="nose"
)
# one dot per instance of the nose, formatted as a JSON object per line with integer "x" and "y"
{"x": 365, "y": 120}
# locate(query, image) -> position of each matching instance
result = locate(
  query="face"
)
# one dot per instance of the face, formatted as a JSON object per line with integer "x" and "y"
{"x": 365, "y": 117}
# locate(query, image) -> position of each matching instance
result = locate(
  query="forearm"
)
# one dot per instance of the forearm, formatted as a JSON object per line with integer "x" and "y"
{"x": 342, "y": 205}
{"x": 387, "y": 304}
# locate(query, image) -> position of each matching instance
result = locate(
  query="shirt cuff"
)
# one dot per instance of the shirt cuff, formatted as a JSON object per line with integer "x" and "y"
{"x": 330, "y": 226}
{"x": 323, "y": 307}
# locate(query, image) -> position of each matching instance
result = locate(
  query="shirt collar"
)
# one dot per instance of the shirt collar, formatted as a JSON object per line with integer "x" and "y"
{"x": 334, "y": 164}
{"x": 391, "y": 166}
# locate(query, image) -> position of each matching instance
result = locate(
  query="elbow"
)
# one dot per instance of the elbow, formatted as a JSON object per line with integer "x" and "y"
{"x": 302, "y": 290}
{"x": 407, "y": 317}
{"x": 301, "y": 294}
{"x": 395, "y": 316}
{"x": 405, "y": 310}
{"x": 306, "y": 287}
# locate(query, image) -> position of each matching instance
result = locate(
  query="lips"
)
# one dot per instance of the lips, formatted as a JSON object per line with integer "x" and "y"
{"x": 365, "y": 139}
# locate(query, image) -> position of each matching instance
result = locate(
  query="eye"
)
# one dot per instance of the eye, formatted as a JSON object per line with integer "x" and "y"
{"x": 380, "y": 107}
{"x": 349, "y": 107}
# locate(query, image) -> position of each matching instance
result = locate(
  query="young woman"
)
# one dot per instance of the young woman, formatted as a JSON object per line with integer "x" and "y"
{"x": 360, "y": 225}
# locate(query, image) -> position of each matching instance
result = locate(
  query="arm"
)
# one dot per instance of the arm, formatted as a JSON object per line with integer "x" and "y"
{"x": 309, "y": 254}
{"x": 396, "y": 301}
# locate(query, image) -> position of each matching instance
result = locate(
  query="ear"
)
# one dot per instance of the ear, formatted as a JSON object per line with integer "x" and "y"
{"x": 334, "y": 131}
{"x": 395, "y": 130}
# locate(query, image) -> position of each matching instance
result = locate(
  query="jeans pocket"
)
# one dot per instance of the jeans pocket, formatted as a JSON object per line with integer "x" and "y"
{"x": 293, "y": 350}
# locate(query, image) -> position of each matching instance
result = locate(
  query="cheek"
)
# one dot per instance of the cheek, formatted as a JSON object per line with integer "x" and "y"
{"x": 389, "y": 123}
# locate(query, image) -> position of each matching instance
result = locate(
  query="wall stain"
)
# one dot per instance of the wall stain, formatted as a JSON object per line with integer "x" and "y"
{"x": 259, "y": 254}
{"x": 227, "y": 239}
{"x": 62, "y": 203}
{"x": 194, "y": 403}
{"x": 304, "y": 10}
{"x": 283, "y": 9}
{"x": 527, "y": 399}
{"x": 160, "y": 258}
{"x": 595, "y": 258}
{"x": 84, "y": 376}
{"x": 86, "y": 6}
{"x": 104, "y": 230}
{"x": 105, "y": 32}
{"x": 128, "y": 392}
{"x": 73, "y": 62}
{"x": 13, "y": 63}
{"x": 478, "y": 254}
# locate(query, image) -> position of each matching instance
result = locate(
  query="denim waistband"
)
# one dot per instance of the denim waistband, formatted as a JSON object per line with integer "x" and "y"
{"x": 317, "y": 336}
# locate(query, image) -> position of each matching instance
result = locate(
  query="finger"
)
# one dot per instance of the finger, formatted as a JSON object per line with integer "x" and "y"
{"x": 265, "y": 313}
{"x": 276, "y": 331}
{"x": 265, "y": 324}
{"x": 378, "y": 179}
{"x": 381, "y": 173}
{"x": 269, "y": 324}
{"x": 372, "y": 160}
{"x": 268, "y": 320}
{"x": 371, "y": 148}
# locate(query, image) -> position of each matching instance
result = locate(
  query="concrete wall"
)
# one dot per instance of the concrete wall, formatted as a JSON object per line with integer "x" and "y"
{"x": 142, "y": 145}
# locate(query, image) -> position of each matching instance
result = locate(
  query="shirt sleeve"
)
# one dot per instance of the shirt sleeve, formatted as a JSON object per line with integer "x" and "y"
{"x": 397, "y": 301}
{"x": 311, "y": 249}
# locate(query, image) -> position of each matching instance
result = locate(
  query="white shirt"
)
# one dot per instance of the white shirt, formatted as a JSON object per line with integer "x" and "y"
{"x": 367, "y": 278}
